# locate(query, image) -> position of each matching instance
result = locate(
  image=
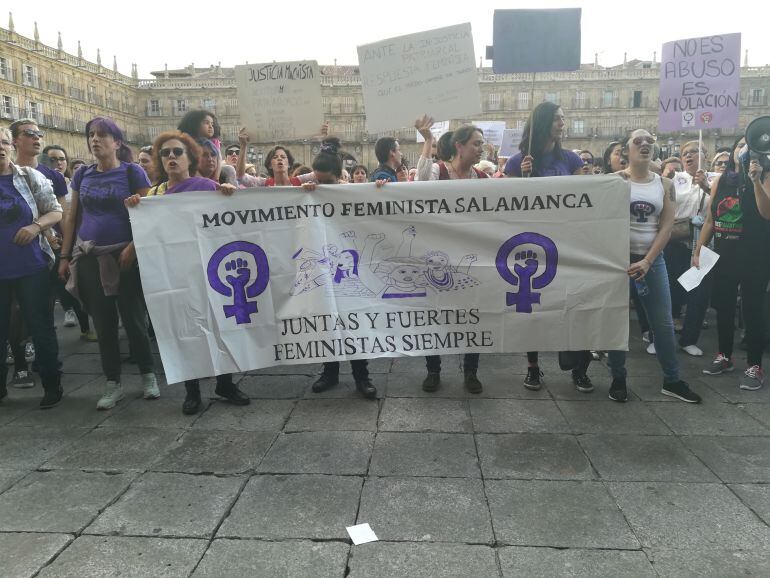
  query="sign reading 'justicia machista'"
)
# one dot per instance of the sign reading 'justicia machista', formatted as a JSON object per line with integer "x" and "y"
{"x": 284, "y": 276}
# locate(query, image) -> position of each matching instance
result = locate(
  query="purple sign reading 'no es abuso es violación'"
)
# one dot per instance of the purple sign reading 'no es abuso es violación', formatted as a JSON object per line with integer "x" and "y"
{"x": 700, "y": 83}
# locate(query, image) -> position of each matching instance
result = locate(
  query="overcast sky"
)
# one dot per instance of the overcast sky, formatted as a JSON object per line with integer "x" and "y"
{"x": 182, "y": 32}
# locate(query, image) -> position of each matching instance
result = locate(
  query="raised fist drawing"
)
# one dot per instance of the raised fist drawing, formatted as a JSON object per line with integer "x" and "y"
{"x": 529, "y": 268}
{"x": 242, "y": 273}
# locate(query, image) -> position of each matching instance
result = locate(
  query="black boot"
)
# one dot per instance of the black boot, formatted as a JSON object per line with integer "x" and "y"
{"x": 192, "y": 401}
{"x": 325, "y": 381}
{"x": 3, "y": 386}
{"x": 230, "y": 392}
{"x": 52, "y": 391}
{"x": 472, "y": 383}
{"x": 366, "y": 388}
{"x": 432, "y": 382}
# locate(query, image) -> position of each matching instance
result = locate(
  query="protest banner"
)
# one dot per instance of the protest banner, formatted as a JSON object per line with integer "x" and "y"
{"x": 510, "y": 143}
{"x": 285, "y": 276}
{"x": 700, "y": 83}
{"x": 431, "y": 72}
{"x": 436, "y": 130}
{"x": 493, "y": 131}
{"x": 280, "y": 100}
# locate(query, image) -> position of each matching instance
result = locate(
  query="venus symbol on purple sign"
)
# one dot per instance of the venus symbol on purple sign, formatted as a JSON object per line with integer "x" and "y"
{"x": 242, "y": 283}
{"x": 527, "y": 262}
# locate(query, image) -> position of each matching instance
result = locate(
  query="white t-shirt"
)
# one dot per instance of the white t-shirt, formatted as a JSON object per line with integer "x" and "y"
{"x": 646, "y": 206}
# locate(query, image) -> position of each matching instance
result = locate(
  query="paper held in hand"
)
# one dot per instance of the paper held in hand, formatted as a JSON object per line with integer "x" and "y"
{"x": 691, "y": 278}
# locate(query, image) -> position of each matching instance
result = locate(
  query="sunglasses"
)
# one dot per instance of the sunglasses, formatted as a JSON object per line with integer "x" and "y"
{"x": 640, "y": 140}
{"x": 58, "y": 159}
{"x": 233, "y": 152}
{"x": 720, "y": 164}
{"x": 178, "y": 152}
{"x": 30, "y": 133}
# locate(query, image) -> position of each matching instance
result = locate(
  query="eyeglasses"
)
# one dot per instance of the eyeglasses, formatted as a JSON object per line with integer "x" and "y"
{"x": 638, "y": 141}
{"x": 32, "y": 133}
{"x": 720, "y": 164}
{"x": 178, "y": 152}
{"x": 58, "y": 159}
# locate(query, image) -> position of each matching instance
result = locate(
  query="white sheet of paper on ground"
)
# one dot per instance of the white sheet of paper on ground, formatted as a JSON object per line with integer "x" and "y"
{"x": 691, "y": 278}
{"x": 361, "y": 534}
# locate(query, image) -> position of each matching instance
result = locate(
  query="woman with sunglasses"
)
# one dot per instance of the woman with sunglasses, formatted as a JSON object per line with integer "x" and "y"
{"x": 653, "y": 203}
{"x": 28, "y": 207}
{"x": 99, "y": 258}
{"x": 741, "y": 237}
{"x": 175, "y": 157}
{"x": 720, "y": 161}
{"x": 544, "y": 157}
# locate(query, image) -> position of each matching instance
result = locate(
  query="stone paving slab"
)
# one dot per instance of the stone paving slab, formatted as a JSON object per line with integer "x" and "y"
{"x": 113, "y": 557}
{"x": 644, "y": 458}
{"x": 711, "y": 563}
{"x": 24, "y": 554}
{"x": 648, "y": 389}
{"x": 324, "y": 452}
{"x": 759, "y": 412}
{"x": 388, "y": 559}
{"x": 28, "y": 447}
{"x": 709, "y": 419}
{"x": 115, "y": 449}
{"x": 517, "y": 416}
{"x": 733, "y": 459}
{"x": 157, "y": 413}
{"x": 334, "y": 415}
{"x": 299, "y": 506}
{"x": 533, "y": 456}
{"x": 425, "y": 415}
{"x": 250, "y": 558}
{"x": 424, "y": 454}
{"x": 558, "y": 514}
{"x": 261, "y": 415}
{"x": 573, "y": 562}
{"x": 9, "y": 477}
{"x": 71, "y": 411}
{"x": 215, "y": 452}
{"x": 426, "y": 510}
{"x": 611, "y": 417}
{"x": 274, "y": 387}
{"x": 409, "y": 385}
{"x": 665, "y": 515}
{"x": 756, "y": 497}
{"x": 12, "y": 408}
{"x": 160, "y": 504}
{"x": 59, "y": 501}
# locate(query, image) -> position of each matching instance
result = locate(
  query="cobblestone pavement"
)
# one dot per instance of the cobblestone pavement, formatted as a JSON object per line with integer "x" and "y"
{"x": 510, "y": 482}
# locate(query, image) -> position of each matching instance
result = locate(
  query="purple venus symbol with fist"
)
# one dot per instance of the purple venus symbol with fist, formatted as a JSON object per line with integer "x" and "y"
{"x": 242, "y": 280}
{"x": 525, "y": 267}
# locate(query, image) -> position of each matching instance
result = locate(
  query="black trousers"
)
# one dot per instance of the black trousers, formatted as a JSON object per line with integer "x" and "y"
{"x": 470, "y": 362}
{"x": 360, "y": 368}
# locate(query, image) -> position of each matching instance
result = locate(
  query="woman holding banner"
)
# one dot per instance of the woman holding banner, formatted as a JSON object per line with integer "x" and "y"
{"x": 467, "y": 146}
{"x": 540, "y": 155}
{"x": 649, "y": 234}
{"x": 175, "y": 157}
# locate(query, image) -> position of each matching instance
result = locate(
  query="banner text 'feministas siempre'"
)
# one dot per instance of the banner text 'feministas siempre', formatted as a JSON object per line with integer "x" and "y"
{"x": 283, "y": 276}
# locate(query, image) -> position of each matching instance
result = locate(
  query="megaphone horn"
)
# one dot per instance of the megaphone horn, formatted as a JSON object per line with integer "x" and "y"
{"x": 758, "y": 135}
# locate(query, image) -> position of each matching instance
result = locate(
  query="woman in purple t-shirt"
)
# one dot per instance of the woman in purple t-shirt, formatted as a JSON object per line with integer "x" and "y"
{"x": 99, "y": 258}
{"x": 175, "y": 157}
{"x": 544, "y": 157}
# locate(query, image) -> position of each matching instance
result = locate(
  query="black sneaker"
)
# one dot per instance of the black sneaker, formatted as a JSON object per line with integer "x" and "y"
{"x": 192, "y": 401}
{"x": 618, "y": 391}
{"x": 534, "y": 379}
{"x": 51, "y": 397}
{"x": 366, "y": 388}
{"x": 582, "y": 382}
{"x": 232, "y": 394}
{"x": 325, "y": 382}
{"x": 432, "y": 382}
{"x": 680, "y": 390}
{"x": 472, "y": 383}
{"x": 3, "y": 391}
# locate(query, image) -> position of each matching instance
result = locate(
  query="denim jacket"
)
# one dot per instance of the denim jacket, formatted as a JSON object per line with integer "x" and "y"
{"x": 40, "y": 199}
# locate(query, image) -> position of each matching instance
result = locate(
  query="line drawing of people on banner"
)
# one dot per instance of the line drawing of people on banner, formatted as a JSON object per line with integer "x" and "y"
{"x": 444, "y": 277}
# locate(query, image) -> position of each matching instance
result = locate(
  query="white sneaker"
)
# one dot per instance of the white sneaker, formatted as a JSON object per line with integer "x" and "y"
{"x": 150, "y": 384}
{"x": 651, "y": 349}
{"x": 113, "y": 393}
{"x": 29, "y": 352}
{"x": 646, "y": 336}
{"x": 693, "y": 350}
{"x": 70, "y": 319}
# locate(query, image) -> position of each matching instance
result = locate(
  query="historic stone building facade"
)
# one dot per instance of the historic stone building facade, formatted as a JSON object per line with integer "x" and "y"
{"x": 63, "y": 91}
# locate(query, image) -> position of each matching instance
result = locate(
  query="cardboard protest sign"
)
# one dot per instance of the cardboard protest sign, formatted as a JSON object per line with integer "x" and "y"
{"x": 510, "y": 142}
{"x": 493, "y": 131}
{"x": 700, "y": 83}
{"x": 280, "y": 100}
{"x": 431, "y": 72}
{"x": 283, "y": 276}
{"x": 436, "y": 130}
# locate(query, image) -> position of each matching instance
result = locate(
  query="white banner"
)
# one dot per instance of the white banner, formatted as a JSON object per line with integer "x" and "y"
{"x": 280, "y": 100}
{"x": 283, "y": 276}
{"x": 431, "y": 72}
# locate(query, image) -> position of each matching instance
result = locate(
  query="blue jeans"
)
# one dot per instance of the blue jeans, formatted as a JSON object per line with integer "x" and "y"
{"x": 33, "y": 293}
{"x": 657, "y": 307}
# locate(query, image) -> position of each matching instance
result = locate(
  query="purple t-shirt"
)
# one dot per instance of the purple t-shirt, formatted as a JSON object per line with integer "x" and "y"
{"x": 57, "y": 180}
{"x": 193, "y": 184}
{"x": 101, "y": 194}
{"x": 550, "y": 165}
{"x": 16, "y": 260}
